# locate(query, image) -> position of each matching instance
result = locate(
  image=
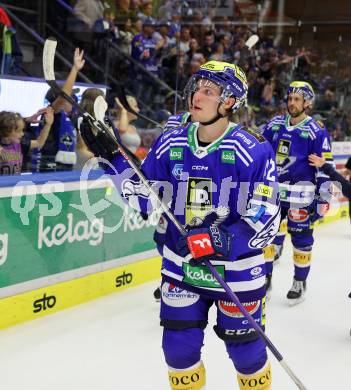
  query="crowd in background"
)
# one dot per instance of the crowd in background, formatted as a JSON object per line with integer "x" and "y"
{"x": 174, "y": 40}
{"x": 155, "y": 51}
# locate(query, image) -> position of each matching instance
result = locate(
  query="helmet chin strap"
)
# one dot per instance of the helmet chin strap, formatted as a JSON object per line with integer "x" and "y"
{"x": 213, "y": 120}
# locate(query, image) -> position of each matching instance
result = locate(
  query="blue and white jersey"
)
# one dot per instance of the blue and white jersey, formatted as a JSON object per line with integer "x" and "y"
{"x": 292, "y": 145}
{"x": 144, "y": 51}
{"x": 176, "y": 121}
{"x": 235, "y": 173}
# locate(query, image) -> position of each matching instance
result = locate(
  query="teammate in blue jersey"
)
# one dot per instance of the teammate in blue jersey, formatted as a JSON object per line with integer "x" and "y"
{"x": 303, "y": 188}
{"x": 220, "y": 180}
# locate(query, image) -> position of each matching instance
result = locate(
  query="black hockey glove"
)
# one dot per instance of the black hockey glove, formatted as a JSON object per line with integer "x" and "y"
{"x": 100, "y": 143}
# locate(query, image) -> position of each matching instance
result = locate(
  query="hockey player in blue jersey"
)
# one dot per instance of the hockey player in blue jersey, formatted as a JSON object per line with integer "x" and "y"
{"x": 173, "y": 121}
{"x": 220, "y": 181}
{"x": 303, "y": 188}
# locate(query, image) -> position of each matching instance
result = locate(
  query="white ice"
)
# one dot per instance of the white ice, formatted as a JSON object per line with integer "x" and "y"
{"x": 114, "y": 343}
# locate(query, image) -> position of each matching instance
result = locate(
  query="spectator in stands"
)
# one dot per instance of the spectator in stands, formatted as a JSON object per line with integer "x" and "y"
{"x": 166, "y": 10}
{"x": 126, "y": 36}
{"x": 10, "y": 52}
{"x": 123, "y": 10}
{"x": 59, "y": 151}
{"x": 218, "y": 53}
{"x": 13, "y": 145}
{"x": 194, "y": 48}
{"x": 209, "y": 44}
{"x": 146, "y": 51}
{"x": 128, "y": 132}
{"x": 104, "y": 29}
{"x": 225, "y": 40}
{"x": 87, "y": 103}
{"x": 106, "y": 25}
{"x": 163, "y": 34}
{"x": 87, "y": 12}
{"x": 137, "y": 26}
{"x": 145, "y": 10}
{"x": 184, "y": 44}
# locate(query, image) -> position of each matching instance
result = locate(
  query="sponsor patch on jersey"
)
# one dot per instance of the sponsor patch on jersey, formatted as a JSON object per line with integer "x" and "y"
{"x": 283, "y": 194}
{"x": 177, "y": 171}
{"x": 228, "y": 157}
{"x": 231, "y": 310}
{"x": 256, "y": 212}
{"x": 198, "y": 198}
{"x": 177, "y": 297}
{"x": 263, "y": 190}
{"x": 298, "y": 215}
{"x": 283, "y": 150}
{"x": 256, "y": 272}
{"x": 176, "y": 153}
{"x": 258, "y": 136}
{"x": 202, "y": 276}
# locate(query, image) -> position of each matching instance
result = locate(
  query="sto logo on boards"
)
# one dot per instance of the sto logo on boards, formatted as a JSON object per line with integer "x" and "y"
{"x": 47, "y": 302}
{"x": 124, "y": 279}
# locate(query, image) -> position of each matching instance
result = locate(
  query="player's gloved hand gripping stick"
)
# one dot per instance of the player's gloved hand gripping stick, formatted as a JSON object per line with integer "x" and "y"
{"x": 106, "y": 138}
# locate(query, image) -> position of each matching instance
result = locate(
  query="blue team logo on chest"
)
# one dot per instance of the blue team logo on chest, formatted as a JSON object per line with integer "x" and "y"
{"x": 177, "y": 171}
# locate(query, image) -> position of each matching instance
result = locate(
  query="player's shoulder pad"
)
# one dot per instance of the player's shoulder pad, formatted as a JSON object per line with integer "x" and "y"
{"x": 180, "y": 131}
{"x": 316, "y": 125}
{"x": 176, "y": 120}
{"x": 247, "y": 137}
{"x": 276, "y": 123}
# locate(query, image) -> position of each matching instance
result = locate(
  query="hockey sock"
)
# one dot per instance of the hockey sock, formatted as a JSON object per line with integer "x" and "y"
{"x": 192, "y": 378}
{"x": 259, "y": 380}
{"x": 268, "y": 253}
{"x": 302, "y": 262}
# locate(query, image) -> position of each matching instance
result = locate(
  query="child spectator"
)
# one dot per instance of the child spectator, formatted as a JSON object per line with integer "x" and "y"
{"x": 13, "y": 145}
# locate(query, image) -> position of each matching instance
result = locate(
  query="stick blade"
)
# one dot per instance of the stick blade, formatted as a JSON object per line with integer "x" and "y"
{"x": 251, "y": 42}
{"x": 49, "y": 58}
{"x": 100, "y": 108}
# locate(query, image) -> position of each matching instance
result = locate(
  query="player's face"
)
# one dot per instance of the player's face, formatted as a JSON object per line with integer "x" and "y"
{"x": 295, "y": 104}
{"x": 205, "y": 101}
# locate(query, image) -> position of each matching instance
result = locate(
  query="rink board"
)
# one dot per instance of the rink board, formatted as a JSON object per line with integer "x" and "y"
{"x": 51, "y": 261}
{"x": 65, "y": 239}
{"x": 50, "y": 299}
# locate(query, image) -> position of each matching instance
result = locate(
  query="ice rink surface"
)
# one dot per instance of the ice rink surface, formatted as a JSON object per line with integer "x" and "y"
{"x": 114, "y": 343}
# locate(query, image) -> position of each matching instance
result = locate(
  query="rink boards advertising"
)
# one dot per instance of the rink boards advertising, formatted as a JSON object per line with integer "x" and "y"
{"x": 64, "y": 241}
{"x": 54, "y": 250}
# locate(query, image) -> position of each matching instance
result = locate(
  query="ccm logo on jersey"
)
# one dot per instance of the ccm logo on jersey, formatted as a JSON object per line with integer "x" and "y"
{"x": 200, "y": 245}
{"x": 298, "y": 215}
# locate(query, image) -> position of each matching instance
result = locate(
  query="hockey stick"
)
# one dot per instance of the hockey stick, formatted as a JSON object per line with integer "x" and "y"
{"x": 100, "y": 108}
{"x": 251, "y": 42}
{"x": 48, "y": 67}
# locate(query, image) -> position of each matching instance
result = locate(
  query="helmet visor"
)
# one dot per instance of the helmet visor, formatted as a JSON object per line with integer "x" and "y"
{"x": 203, "y": 86}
